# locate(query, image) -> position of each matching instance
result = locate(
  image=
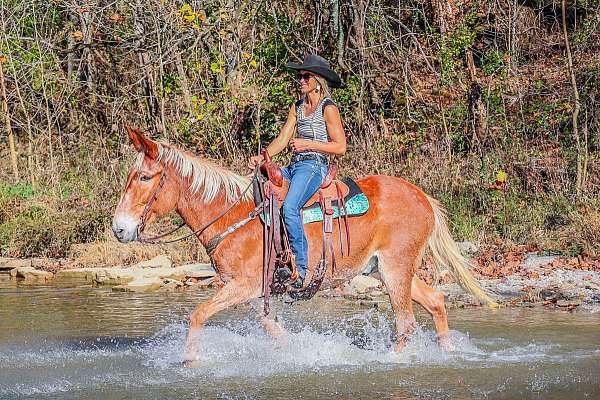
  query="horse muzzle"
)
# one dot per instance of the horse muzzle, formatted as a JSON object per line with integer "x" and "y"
{"x": 125, "y": 228}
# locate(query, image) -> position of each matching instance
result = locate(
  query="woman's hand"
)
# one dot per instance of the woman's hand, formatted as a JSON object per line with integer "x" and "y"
{"x": 254, "y": 161}
{"x": 299, "y": 145}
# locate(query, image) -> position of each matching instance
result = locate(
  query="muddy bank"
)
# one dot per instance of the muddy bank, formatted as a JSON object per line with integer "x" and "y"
{"x": 525, "y": 280}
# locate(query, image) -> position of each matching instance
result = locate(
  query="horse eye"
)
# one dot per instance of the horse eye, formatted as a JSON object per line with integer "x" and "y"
{"x": 145, "y": 178}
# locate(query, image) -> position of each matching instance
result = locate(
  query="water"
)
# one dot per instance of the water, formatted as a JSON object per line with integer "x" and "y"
{"x": 94, "y": 343}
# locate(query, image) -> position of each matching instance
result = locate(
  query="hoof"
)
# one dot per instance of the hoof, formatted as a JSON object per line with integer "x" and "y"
{"x": 446, "y": 344}
{"x": 191, "y": 363}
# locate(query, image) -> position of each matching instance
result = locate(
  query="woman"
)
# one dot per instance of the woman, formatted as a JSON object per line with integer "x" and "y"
{"x": 317, "y": 120}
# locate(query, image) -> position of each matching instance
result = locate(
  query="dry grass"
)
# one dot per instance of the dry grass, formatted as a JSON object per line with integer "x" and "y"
{"x": 113, "y": 253}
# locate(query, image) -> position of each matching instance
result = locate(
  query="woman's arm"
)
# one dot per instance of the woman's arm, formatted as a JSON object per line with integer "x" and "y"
{"x": 337, "y": 142}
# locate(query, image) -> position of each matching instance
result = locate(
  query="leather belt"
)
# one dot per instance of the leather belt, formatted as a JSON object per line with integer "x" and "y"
{"x": 305, "y": 157}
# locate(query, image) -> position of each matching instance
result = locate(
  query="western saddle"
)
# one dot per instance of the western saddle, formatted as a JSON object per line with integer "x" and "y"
{"x": 279, "y": 268}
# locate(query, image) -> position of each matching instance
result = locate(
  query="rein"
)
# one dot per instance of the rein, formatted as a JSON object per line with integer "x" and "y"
{"x": 154, "y": 239}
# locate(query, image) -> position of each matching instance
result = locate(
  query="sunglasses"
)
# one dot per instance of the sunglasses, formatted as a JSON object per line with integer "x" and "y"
{"x": 306, "y": 76}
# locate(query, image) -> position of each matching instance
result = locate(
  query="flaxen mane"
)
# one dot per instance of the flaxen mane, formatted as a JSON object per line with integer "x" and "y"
{"x": 203, "y": 174}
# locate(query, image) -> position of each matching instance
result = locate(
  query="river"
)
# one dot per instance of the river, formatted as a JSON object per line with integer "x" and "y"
{"x": 91, "y": 343}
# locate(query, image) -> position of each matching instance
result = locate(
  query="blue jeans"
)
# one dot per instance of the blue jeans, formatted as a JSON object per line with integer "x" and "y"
{"x": 305, "y": 178}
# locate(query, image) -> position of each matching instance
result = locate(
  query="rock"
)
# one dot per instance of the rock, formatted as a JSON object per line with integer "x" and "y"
{"x": 141, "y": 285}
{"x": 191, "y": 281}
{"x": 569, "y": 303}
{"x": 348, "y": 291}
{"x": 123, "y": 276}
{"x": 78, "y": 275}
{"x": 115, "y": 276}
{"x": 206, "y": 282}
{"x": 31, "y": 275}
{"x": 533, "y": 261}
{"x": 5, "y": 263}
{"x": 35, "y": 276}
{"x": 161, "y": 261}
{"x": 197, "y": 270}
{"x": 377, "y": 293}
{"x": 12, "y": 263}
{"x": 363, "y": 283}
{"x": 467, "y": 248}
{"x": 171, "y": 284}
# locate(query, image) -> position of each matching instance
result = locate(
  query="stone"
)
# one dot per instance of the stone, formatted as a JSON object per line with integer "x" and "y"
{"x": 114, "y": 276}
{"x": 533, "y": 261}
{"x": 34, "y": 276}
{"x": 205, "y": 282}
{"x": 77, "y": 275}
{"x": 467, "y": 248}
{"x": 363, "y": 283}
{"x": 568, "y": 303}
{"x": 171, "y": 284}
{"x": 198, "y": 270}
{"x": 31, "y": 275}
{"x": 142, "y": 285}
{"x": 191, "y": 281}
{"x": 347, "y": 290}
{"x": 13, "y": 263}
{"x": 377, "y": 293}
{"x": 5, "y": 263}
{"x": 123, "y": 276}
{"x": 161, "y": 261}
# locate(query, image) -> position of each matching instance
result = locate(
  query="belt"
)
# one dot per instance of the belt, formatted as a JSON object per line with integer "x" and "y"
{"x": 305, "y": 157}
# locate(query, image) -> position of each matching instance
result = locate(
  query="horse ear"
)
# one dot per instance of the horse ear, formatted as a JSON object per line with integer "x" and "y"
{"x": 142, "y": 143}
{"x": 134, "y": 135}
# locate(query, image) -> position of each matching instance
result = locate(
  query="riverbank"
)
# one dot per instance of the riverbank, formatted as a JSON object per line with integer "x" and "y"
{"x": 525, "y": 279}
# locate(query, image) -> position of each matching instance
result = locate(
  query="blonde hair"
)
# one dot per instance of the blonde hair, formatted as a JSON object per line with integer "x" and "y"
{"x": 325, "y": 90}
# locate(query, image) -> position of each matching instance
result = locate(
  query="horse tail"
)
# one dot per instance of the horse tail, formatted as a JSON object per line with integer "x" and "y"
{"x": 446, "y": 252}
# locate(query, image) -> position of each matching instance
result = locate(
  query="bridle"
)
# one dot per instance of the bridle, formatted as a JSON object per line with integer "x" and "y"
{"x": 212, "y": 243}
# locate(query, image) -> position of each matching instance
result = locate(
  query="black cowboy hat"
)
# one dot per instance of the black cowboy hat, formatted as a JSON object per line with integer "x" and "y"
{"x": 320, "y": 66}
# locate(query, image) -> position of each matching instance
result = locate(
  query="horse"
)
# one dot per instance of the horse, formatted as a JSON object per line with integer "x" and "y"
{"x": 400, "y": 224}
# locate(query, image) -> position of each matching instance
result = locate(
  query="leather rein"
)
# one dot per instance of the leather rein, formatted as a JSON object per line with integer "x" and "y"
{"x": 212, "y": 244}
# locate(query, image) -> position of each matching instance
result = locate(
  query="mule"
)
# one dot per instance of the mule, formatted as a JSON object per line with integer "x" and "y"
{"x": 400, "y": 224}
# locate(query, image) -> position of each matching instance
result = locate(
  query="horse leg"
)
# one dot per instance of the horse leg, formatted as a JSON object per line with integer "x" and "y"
{"x": 433, "y": 301}
{"x": 397, "y": 272}
{"x": 234, "y": 292}
{"x": 272, "y": 327}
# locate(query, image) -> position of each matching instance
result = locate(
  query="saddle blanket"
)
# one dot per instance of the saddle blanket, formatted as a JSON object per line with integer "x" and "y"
{"x": 357, "y": 204}
{"x": 356, "y": 201}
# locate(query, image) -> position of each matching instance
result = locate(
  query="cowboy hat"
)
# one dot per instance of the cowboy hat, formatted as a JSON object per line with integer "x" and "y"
{"x": 320, "y": 66}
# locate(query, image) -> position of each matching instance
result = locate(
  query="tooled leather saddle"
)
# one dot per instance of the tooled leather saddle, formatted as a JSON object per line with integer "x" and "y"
{"x": 279, "y": 269}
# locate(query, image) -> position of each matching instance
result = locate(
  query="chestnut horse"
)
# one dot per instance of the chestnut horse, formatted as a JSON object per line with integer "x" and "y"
{"x": 400, "y": 224}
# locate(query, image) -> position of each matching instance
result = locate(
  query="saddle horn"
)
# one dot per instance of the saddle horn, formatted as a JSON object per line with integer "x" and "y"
{"x": 271, "y": 170}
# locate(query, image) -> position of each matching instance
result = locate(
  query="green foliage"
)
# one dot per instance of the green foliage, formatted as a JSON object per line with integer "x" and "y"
{"x": 234, "y": 60}
{"x": 20, "y": 190}
{"x": 452, "y": 47}
{"x": 492, "y": 62}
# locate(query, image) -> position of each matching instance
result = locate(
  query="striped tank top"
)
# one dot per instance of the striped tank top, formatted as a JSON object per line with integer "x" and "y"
{"x": 312, "y": 127}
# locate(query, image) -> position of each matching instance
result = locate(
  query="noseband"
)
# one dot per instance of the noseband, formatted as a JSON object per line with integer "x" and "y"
{"x": 144, "y": 216}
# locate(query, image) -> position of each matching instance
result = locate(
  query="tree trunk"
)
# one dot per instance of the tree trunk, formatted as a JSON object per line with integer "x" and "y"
{"x": 185, "y": 86}
{"x": 581, "y": 151}
{"x": 11, "y": 138}
{"x": 477, "y": 106}
{"x": 144, "y": 61}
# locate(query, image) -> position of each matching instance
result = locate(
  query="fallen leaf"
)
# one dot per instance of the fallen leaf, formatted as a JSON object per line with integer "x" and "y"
{"x": 77, "y": 36}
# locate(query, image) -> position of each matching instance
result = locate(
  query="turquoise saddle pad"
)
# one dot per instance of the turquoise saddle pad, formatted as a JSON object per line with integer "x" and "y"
{"x": 356, "y": 205}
